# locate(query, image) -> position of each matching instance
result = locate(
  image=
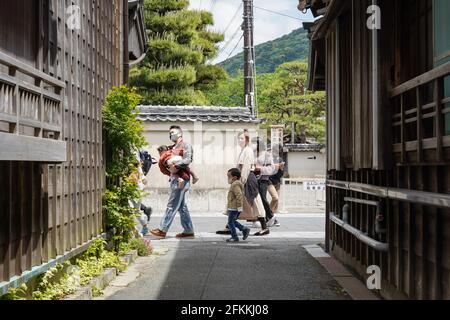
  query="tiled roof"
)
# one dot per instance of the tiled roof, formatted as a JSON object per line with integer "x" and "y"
{"x": 196, "y": 113}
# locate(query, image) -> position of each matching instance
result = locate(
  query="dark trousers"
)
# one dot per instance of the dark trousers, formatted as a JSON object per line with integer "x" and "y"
{"x": 147, "y": 210}
{"x": 233, "y": 223}
{"x": 263, "y": 185}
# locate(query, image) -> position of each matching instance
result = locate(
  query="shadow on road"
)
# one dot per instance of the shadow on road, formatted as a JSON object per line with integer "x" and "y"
{"x": 275, "y": 267}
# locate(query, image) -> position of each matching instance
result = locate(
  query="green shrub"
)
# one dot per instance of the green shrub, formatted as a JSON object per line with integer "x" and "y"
{"x": 57, "y": 283}
{"x": 90, "y": 263}
{"x": 94, "y": 260}
{"x": 122, "y": 130}
{"x": 143, "y": 247}
{"x": 119, "y": 215}
{"x": 123, "y": 135}
{"x": 16, "y": 293}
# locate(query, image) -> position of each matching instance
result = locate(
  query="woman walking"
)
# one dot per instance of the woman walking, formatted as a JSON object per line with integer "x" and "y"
{"x": 275, "y": 181}
{"x": 248, "y": 165}
{"x": 265, "y": 168}
{"x": 253, "y": 208}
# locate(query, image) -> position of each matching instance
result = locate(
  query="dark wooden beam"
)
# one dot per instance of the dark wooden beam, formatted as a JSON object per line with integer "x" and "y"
{"x": 25, "y": 148}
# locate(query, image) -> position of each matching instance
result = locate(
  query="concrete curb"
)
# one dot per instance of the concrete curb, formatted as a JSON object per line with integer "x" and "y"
{"x": 133, "y": 273}
{"x": 351, "y": 285}
{"x": 129, "y": 257}
{"x": 103, "y": 280}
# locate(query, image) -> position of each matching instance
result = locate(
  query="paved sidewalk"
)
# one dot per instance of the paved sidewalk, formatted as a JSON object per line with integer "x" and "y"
{"x": 273, "y": 267}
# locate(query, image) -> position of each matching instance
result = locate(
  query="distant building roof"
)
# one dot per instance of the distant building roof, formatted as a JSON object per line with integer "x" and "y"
{"x": 304, "y": 147}
{"x": 196, "y": 113}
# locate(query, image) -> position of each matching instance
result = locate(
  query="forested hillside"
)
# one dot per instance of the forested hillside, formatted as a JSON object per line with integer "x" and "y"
{"x": 271, "y": 54}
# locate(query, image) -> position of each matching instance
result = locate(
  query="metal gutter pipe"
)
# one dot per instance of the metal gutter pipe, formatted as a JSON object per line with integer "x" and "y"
{"x": 379, "y": 246}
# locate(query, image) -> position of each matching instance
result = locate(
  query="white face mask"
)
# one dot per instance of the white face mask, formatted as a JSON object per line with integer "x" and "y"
{"x": 174, "y": 136}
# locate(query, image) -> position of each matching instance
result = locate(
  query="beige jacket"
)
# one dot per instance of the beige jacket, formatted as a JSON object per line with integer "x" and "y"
{"x": 236, "y": 196}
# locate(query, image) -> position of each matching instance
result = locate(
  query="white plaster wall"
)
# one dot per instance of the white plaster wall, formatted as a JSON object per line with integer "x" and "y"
{"x": 215, "y": 150}
{"x": 299, "y": 166}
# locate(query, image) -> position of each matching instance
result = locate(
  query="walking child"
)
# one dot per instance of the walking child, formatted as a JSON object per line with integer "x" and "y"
{"x": 143, "y": 213}
{"x": 235, "y": 205}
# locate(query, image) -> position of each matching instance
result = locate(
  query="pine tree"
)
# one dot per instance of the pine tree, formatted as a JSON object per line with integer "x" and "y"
{"x": 287, "y": 100}
{"x": 175, "y": 69}
{"x": 282, "y": 98}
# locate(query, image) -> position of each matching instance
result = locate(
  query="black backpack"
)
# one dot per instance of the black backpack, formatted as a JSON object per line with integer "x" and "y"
{"x": 147, "y": 160}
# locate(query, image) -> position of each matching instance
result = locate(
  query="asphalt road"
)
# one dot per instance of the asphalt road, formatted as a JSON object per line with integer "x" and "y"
{"x": 272, "y": 267}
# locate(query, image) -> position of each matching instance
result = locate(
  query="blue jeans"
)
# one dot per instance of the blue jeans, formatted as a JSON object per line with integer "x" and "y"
{"x": 233, "y": 223}
{"x": 176, "y": 203}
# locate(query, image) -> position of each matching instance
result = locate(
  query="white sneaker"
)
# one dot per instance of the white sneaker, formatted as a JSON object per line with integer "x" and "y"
{"x": 271, "y": 222}
{"x": 256, "y": 225}
{"x": 276, "y": 224}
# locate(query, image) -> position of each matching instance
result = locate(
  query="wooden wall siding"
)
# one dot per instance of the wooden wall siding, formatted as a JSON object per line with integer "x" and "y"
{"x": 346, "y": 89}
{"x": 349, "y": 90}
{"x": 414, "y": 38}
{"x": 417, "y": 265}
{"x": 418, "y": 126}
{"x": 362, "y": 84}
{"x": 19, "y": 21}
{"x": 47, "y": 210}
{"x": 416, "y": 150}
{"x": 332, "y": 104}
{"x": 21, "y": 216}
{"x": 29, "y": 109}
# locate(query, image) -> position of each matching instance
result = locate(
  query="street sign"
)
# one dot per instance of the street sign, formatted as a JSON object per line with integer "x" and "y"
{"x": 314, "y": 185}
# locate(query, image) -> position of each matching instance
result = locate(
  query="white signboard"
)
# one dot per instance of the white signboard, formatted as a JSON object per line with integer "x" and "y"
{"x": 314, "y": 185}
{"x": 276, "y": 135}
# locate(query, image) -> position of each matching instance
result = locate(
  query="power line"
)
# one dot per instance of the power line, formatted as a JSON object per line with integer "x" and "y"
{"x": 230, "y": 40}
{"x": 229, "y": 25}
{"x": 279, "y": 13}
{"x": 213, "y": 4}
{"x": 234, "y": 47}
{"x": 232, "y": 19}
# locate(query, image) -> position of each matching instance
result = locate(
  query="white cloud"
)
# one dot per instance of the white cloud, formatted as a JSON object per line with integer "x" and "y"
{"x": 268, "y": 25}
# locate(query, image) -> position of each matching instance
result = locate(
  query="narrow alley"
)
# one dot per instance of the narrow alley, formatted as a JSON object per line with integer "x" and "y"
{"x": 207, "y": 268}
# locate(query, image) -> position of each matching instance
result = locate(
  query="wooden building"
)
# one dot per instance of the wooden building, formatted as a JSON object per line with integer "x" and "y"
{"x": 58, "y": 60}
{"x": 388, "y": 138}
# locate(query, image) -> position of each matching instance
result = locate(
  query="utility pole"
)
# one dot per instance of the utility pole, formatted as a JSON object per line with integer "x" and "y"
{"x": 249, "y": 77}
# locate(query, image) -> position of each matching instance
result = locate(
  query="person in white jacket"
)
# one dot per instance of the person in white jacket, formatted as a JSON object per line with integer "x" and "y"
{"x": 252, "y": 210}
{"x": 247, "y": 162}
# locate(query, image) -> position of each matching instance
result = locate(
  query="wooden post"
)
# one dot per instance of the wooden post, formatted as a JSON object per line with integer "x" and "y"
{"x": 402, "y": 127}
{"x": 126, "y": 64}
{"x": 438, "y": 94}
{"x": 419, "y": 127}
{"x": 249, "y": 81}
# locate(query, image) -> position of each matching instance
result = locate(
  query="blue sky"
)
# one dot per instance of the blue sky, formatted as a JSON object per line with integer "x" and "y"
{"x": 268, "y": 26}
